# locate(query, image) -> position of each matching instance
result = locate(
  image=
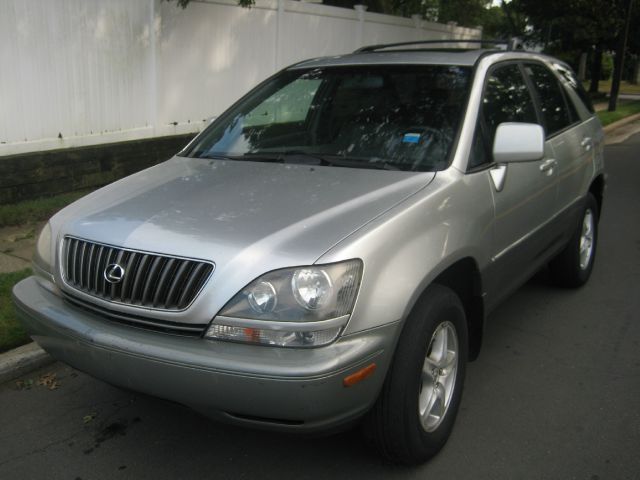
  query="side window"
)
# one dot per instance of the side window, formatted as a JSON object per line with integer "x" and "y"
{"x": 555, "y": 112}
{"x": 506, "y": 98}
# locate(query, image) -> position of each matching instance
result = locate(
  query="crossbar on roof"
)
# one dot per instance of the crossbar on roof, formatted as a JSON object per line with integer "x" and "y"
{"x": 510, "y": 44}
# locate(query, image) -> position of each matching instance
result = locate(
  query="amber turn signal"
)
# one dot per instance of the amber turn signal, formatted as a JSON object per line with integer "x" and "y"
{"x": 360, "y": 375}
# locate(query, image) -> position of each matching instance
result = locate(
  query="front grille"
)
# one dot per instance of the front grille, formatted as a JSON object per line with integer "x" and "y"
{"x": 148, "y": 279}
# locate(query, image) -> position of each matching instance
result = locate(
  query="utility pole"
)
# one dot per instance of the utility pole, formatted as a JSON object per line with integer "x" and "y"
{"x": 619, "y": 61}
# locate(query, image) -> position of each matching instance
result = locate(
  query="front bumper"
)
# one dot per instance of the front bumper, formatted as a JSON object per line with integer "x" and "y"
{"x": 268, "y": 387}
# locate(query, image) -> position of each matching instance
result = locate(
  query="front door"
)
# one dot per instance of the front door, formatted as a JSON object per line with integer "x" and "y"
{"x": 524, "y": 193}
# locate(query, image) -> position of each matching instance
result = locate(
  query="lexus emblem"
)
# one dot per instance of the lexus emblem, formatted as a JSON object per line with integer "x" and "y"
{"x": 114, "y": 273}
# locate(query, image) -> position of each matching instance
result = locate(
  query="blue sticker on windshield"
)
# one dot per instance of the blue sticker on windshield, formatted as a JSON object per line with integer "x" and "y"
{"x": 411, "y": 138}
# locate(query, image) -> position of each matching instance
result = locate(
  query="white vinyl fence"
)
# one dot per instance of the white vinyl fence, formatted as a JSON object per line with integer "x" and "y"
{"x": 82, "y": 72}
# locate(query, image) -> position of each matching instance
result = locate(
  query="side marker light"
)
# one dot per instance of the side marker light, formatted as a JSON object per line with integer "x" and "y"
{"x": 360, "y": 375}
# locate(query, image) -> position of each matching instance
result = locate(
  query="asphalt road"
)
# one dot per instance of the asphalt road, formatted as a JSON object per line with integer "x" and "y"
{"x": 555, "y": 394}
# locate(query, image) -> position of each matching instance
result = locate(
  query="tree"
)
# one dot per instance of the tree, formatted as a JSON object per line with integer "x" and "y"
{"x": 570, "y": 27}
{"x": 494, "y": 23}
{"x": 515, "y": 21}
{"x": 619, "y": 61}
{"x": 469, "y": 13}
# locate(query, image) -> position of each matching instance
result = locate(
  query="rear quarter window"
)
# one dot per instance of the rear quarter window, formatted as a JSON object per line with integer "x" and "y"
{"x": 572, "y": 82}
{"x": 557, "y": 113}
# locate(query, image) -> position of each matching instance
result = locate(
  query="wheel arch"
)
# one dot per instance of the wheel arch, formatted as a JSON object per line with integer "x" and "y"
{"x": 464, "y": 278}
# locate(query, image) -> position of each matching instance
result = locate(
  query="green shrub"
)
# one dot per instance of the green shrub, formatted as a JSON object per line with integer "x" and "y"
{"x": 607, "y": 66}
{"x": 11, "y": 332}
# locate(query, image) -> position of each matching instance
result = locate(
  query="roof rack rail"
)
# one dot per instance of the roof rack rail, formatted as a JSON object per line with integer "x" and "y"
{"x": 510, "y": 43}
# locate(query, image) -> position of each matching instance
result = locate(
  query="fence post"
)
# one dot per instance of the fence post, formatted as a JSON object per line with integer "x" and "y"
{"x": 417, "y": 22}
{"x": 360, "y": 9}
{"x": 153, "y": 65}
{"x": 279, "y": 28}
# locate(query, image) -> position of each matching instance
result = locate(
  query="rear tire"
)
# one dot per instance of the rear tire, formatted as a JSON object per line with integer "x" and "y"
{"x": 572, "y": 267}
{"x": 415, "y": 412}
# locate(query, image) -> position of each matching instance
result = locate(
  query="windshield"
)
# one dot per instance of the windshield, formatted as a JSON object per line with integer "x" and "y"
{"x": 391, "y": 117}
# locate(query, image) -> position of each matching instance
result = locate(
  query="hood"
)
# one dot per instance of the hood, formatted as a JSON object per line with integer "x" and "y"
{"x": 246, "y": 217}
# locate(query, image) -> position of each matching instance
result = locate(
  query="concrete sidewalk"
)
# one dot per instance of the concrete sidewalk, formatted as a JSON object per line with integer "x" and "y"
{"x": 619, "y": 131}
{"x": 21, "y": 361}
{"x": 16, "y": 247}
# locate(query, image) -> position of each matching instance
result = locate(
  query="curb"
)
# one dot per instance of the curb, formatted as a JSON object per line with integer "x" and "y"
{"x": 621, "y": 123}
{"x": 22, "y": 360}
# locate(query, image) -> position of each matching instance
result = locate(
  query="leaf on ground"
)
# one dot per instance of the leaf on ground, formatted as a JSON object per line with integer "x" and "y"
{"x": 49, "y": 380}
{"x": 24, "y": 384}
{"x": 89, "y": 417}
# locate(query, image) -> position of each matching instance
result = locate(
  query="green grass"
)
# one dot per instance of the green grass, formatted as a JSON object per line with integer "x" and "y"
{"x": 625, "y": 87}
{"x": 11, "y": 332}
{"x": 604, "y": 87}
{"x": 37, "y": 210}
{"x": 624, "y": 110}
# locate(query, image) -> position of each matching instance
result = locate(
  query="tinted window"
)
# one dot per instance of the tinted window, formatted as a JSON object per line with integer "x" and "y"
{"x": 394, "y": 117}
{"x": 506, "y": 99}
{"x": 555, "y": 114}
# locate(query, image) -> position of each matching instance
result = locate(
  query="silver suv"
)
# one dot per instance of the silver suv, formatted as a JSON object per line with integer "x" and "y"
{"x": 327, "y": 250}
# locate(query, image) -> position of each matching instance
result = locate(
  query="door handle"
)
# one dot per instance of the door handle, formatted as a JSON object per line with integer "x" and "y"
{"x": 586, "y": 143}
{"x": 547, "y": 166}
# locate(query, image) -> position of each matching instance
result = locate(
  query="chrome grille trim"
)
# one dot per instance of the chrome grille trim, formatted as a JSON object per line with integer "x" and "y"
{"x": 161, "y": 326}
{"x": 151, "y": 280}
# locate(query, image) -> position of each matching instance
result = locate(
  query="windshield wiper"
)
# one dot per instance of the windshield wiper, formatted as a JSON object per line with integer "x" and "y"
{"x": 361, "y": 162}
{"x": 263, "y": 157}
{"x": 215, "y": 156}
{"x": 254, "y": 158}
{"x": 306, "y": 158}
{"x": 301, "y": 157}
{"x": 293, "y": 157}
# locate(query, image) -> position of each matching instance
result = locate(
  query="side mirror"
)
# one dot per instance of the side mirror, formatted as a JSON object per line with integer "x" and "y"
{"x": 518, "y": 142}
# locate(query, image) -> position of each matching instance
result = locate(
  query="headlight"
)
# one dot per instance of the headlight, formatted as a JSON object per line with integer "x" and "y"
{"x": 311, "y": 287}
{"x": 262, "y": 298}
{"x": 294, "y": 307}
{"x": 42, "y": 257}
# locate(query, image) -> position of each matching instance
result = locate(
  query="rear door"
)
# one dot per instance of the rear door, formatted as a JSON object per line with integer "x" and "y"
{"x": 571, "y": 142}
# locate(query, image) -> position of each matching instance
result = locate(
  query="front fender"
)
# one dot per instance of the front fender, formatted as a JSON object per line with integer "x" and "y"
{"x": 407, "y": 248}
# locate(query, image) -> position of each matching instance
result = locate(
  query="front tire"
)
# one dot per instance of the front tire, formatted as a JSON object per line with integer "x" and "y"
{"x": 415, "y": 412}
{"x": 572, "y": 267}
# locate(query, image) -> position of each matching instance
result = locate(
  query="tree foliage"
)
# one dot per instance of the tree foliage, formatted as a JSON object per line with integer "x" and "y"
{"x": 573, "y": 23}
{"x": 469, "y": 13}
{"x": 572, "y": 27}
